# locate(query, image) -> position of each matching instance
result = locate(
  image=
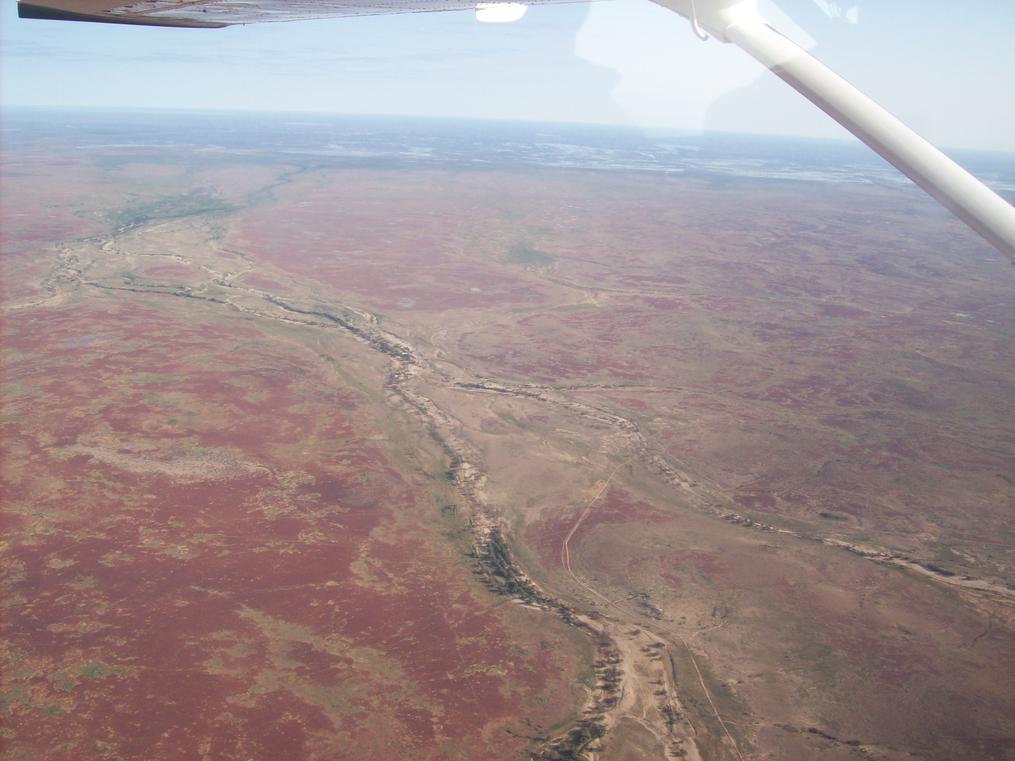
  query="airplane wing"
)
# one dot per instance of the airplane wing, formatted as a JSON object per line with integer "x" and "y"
{"x": 220, "y": 13}
{"x": 731, "y": 21}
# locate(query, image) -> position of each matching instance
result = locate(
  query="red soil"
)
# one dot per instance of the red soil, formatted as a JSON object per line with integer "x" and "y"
{"x": 295, "y": 607}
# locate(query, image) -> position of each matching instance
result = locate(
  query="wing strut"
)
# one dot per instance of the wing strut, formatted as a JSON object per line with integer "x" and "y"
{"x": 738, "y": 21}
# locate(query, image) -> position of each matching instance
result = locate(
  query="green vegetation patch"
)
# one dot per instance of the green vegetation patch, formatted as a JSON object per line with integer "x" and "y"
{"x": 194, "y": 450}
{"x": 59, "y": 454}
{"x": 67, "y": 680}
{"x": 523, "y": 252}
{"x": 197, "y": 201}
{"x": 455, "y": 526}
{"x": 98, "y": 670}
{"x": 480, "y": 668}
{"x": 83, "y": 582}
{"x": 13, "y": 700}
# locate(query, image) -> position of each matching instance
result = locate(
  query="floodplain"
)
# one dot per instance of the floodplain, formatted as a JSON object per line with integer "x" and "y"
{"x": 392, "y": 444}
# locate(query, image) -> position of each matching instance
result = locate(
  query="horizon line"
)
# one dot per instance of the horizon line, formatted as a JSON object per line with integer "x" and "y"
{"x": 847, "y": 140}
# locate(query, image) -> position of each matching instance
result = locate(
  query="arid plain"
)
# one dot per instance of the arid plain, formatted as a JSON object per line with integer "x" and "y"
{"x": 313, "y": 459}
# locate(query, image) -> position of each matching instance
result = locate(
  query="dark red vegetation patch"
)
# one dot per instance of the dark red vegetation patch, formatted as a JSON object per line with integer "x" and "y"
{"x": 212, "y": 558}
{"x": 344, "y": 237}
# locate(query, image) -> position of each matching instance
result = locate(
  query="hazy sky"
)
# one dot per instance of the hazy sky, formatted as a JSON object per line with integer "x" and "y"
{"x": 946, "y": 68}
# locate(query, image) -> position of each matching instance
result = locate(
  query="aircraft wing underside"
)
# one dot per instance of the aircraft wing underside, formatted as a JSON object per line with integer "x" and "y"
{"x": 218, "y": 13}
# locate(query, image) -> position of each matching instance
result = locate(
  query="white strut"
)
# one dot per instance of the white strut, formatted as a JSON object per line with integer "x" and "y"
{"x": 739, "y": 22}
